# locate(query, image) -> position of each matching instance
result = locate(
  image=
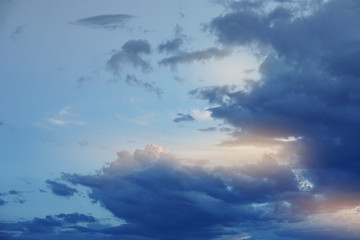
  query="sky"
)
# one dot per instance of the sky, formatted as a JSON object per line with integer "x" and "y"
{"x": 207, "y": 119}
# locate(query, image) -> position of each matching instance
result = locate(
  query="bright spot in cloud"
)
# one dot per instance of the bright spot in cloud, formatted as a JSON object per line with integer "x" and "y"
{"x": 288, "y": 139}
{"x": 233, "y": 69}
{"x": 201, "y": 115}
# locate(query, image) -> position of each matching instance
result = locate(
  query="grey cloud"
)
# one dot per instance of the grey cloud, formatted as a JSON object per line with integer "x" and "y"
{"x": 14, "y": 192}
{"x": 171, "y": 45}
{"x": 106, "y": 21}
{"x": 83, "y": 143}
{"x": 48, "y": 228}
{"x": 16, "y": 196}
{"x": 201, "y": 55}
{"x": 309, "y": 89}
{"x": 209, "y": 129}
{"x": 76, "y": 218}
{"x": 131, "y": 53}
{"x": 17, "y": 32}
{"x": 82, "y": 80}
{"x": 61, "y": 189}
{"x": 161, "y": 197}
{"x": 194, "y": 202}
{"x": 133, "y": 81}
{"x": 188, "y": 202}
{"x": 184, "y": 118}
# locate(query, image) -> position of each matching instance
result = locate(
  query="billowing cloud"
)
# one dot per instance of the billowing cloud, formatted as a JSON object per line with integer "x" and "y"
{"x": 61, "y": 189}
{"x": 161, "y": 197}
{"x": 181, "y": 117}
{"x": 308, "y": 90}
{"x": 131, "y": 53}
{"x": 107, "y": 21}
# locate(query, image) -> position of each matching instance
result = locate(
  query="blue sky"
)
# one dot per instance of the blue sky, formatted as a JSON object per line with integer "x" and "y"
{"x": 179, "y": 119}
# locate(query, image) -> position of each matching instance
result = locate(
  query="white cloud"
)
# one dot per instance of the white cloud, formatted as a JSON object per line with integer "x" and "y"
{"x": 201, "y": 115}
{"x": 64, "y": 111}
{"x": 56, "y": 121}
{"x": 60, "y": 122}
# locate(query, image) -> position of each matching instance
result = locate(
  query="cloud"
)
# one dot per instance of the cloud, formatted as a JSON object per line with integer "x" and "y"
{"x": 131, "y": 53}
{"x": 76, "y": 218}
{"x": 182, "y": 201}
{"x": 61, "y": 189}
{"x": 308, "y": 90}
{"x": 61, "y": 226}
{"x": 201, "y": 115}
{"x": 17, "y": 32}
{"x": 184, "y": 118}
{"x": 17, "y": 197}
{"x": 209, "y": 129}
{"x": 197, "y": 56}
{"x": 171, "y": 45}
{"x": 106, "y": 21}
{"x": 61, "y": 118}
{"x": 82, "y": 80}
{"x": 134, "y": 81}
{"x": 60, "y": 122}
{"x": 161, "y": 197}
{"x": 83, "y": 143}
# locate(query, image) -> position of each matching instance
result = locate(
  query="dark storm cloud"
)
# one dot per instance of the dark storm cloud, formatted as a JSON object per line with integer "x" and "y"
{"x": 309, "y": 89}
{"x": 105, "y": 21}
{"x": 134, "y": 81}
{"x": 61, "y": 189}
{"x": 196, "y": 56}
{"x": 2, "y": 202}
{"x": 131, "y": 53}
{"x": 184, "y": 118}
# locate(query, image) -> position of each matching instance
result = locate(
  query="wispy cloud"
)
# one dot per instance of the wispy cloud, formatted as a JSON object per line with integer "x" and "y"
{"x": 134, "y": 81}
{"x": 60, "y": 122}
{"x": 61, "y": 118}
{"x": 107, "y": 21}
{"x": 181, "y": 117}
{"x": 196, "y": 56}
